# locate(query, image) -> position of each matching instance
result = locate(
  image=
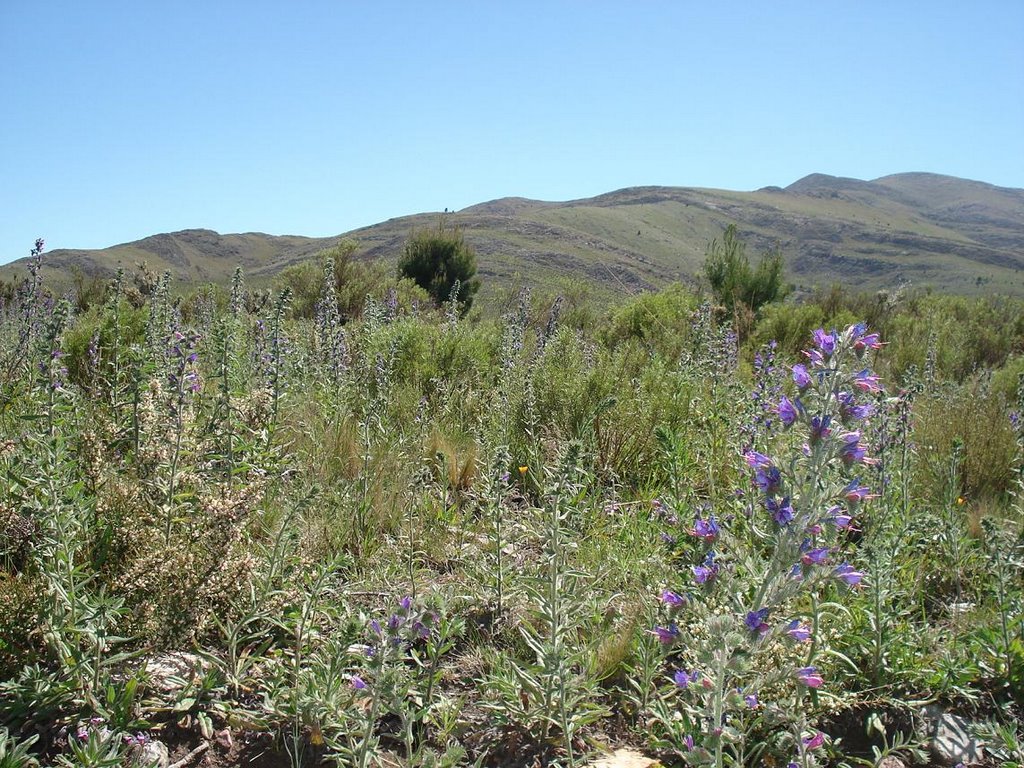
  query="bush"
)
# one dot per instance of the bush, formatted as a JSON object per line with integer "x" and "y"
{"x": 438, "y": 259}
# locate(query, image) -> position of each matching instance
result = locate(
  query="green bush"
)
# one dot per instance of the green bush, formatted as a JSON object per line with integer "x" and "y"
{"x": 438, "y": 259}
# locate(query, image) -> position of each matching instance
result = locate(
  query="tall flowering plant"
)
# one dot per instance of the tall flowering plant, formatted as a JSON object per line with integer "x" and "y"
{"x": 759, "y": 600}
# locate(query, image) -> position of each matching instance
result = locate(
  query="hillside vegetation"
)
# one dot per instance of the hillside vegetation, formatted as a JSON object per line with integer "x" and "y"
{"x": 350, "y": 528}
{"x": 928, "y": 230}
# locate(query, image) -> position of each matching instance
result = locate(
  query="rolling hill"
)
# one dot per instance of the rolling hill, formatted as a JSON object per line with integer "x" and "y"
{"x": 949, "y": 233}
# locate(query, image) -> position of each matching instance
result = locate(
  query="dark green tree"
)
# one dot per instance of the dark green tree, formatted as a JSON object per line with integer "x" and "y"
{"x": 738, "y": 286}
{"x": 437, "y": 259}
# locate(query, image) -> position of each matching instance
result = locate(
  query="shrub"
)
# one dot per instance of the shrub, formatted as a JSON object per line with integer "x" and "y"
{"x": 437, "y": 260}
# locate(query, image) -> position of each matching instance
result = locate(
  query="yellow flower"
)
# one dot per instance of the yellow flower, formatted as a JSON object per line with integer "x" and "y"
{"x": 522, "y": 470}
{"x": 960, "y": 500}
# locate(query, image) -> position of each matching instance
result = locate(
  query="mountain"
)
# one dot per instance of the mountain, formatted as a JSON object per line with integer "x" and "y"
{"x": 949, "y": 233}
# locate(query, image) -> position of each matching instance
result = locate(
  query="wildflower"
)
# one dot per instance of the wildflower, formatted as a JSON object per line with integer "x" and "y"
{"x": 707, "y": 530}
{"x": 522, "y": 470}
{"x": 405, "y": 603}
{"x": 755, "y": 621}
{"x": 865, "y": 381}
{"x": 358, "y": 683}
{"x": 847, "y": 574}
{"x": 850, "y": 410}
{"x": 673, "y": 600}
{"x": 375, "y": 627}
{"x": 688, "y": 741}
{"x": 788, "y": 412}
{"x": 801, "y": 633}
{"x": 682, "y": 679}
{"x": 825, "y": 342}
{"x": 815, "y": 741}
{"x": 757, "y": 460}
{"x": 706, "y": 571}
{"x": 820, "y": 429}
{"x": 801, "y": 377}
{"x": 768, "y": 480}
{"x": 841, "y": 521}
{"x": 751, "y": 700}
{"x": 857, "y": 493}
{"x": 666, "y": 635}
{"x": 815, "y": 556}
{"x": 868, "y": 341}
{"x": 809, "y": 676}
{"x": 781, "y": 511}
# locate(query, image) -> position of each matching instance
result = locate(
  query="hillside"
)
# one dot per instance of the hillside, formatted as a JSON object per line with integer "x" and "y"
{"x": 952, "y": 234}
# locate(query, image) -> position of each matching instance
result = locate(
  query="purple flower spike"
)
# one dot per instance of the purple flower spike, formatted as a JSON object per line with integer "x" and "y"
{"x": 848, "y": 574}
{"x": 820, "y": 429}
{"x": 809, "y": 676}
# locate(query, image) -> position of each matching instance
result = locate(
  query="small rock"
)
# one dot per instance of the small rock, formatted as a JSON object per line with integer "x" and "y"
{"x": 154, "y": 754}
{"x": 172, "y": 671}
{"x": 624, "y": 758}
{"x": 952, "y": 741}
{"x": 891, "y": 762}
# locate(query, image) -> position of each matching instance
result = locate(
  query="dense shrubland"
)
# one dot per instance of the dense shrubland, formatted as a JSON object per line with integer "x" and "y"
{"x": 380, "y": 532}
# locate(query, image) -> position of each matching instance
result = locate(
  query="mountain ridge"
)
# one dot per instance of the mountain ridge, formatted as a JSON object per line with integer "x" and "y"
{"x": 953, "y": 234}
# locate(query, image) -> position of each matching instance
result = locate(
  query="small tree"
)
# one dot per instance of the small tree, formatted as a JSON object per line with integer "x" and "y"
{"x": 437, "y": 259}
{"x": 737, "y": 286}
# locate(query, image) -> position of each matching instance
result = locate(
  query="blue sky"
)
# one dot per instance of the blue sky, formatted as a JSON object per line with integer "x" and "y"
{"x": 121, "y": 120}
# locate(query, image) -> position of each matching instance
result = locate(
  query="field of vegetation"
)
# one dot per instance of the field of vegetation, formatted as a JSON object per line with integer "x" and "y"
{"x": 332, "y": 523}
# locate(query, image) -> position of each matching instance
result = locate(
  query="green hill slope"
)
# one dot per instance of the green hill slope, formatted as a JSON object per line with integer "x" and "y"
{"x": 952, "y": 234}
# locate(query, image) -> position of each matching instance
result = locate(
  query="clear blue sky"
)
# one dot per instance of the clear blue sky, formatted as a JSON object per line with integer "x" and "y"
{"x": 124, "y": 119}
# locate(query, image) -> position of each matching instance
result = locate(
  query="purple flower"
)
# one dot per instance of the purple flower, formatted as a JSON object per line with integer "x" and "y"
{"x": 757, "y": 460}
{"x": 815, "y": 741}
{"x": 781, "y": 511}
{"x": 799, "y": 632}
{"x": 849, "y": 410}
{"x": 768, "y": 480}
{"x": 856, "y": 493}
{"x": 688, "y": 741}
{"x": 801, "y": 377}
{"x": 707, "y": 571}
{"x": 809, "y": 676}
{"x": 358, "y": 683}
{"x": 825, "y": 342}
{"x": 868, "y": 341}
{"x": 755, "y": 621}
{"x": 848, "y": 574}
{"x": 707, "y": 530}
{"x": 682, "y": 679}
{"x": 405, "y": 603}
{"x": 673, "y": 600}
{"x": 815, "y": 556}
{"x": 751, "y": 700}
{"x": 819, "y": 429}
{"x": 666, "y": 635}
{"x": 865, "y": 381}
{"x": 788, "y": 411}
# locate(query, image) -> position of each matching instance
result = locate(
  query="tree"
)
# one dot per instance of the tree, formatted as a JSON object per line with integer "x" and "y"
{"x": 736, "y": 285}
{"x": 438, "y": 259}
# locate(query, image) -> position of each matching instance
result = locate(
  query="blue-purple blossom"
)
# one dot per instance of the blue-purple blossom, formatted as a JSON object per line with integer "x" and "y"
{"x": 809, "y": 676}
{"x": 781, "y": 511}
{"x": 682, "y": 678}
{"x": 798, "y": 631}
{"x": 707, "y": 530}
{"x": 815, "y": 556}
{"x": 768, "y": 480}
{"x": 848, "y": 574}
{"x": 706, "y": 571}
{"x": 801, "y": 377}
{"x": 666, "y": 635}
{"x": 673, "y": 600}
{"x": 756, "y": 621}
{"x": 788, "y": 412}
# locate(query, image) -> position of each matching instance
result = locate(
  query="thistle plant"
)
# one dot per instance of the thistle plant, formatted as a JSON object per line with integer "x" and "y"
{"x": 747, "y": 602}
